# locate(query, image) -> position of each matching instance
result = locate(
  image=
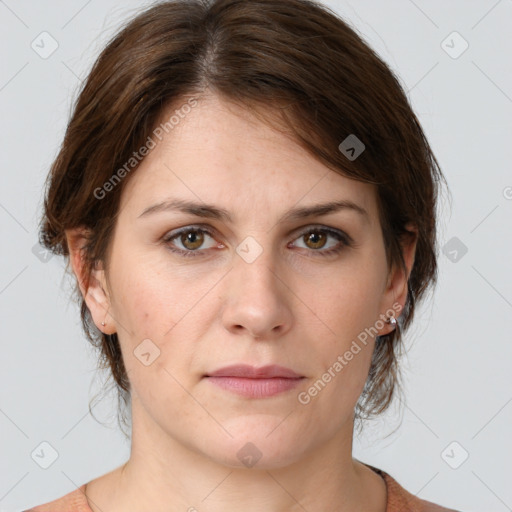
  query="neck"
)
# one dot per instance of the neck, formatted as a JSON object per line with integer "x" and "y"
{"x": 163, "y": 474}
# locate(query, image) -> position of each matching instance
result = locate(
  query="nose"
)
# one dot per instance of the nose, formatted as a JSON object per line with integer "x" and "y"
{"x": 257, "y": 300}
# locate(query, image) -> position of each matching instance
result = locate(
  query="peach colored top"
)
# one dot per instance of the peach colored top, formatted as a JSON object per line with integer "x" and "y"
{"x": 398, "y": 500}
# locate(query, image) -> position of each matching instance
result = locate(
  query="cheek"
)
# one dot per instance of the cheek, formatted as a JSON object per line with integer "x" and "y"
{"x": 157, "y": 313}
{"x": 135, "y": 307}
{"x": 153, "y": 290}
{"x": 139, "y": 314}
{"x": 148, "y": 302}
{"x": 353, "y": 304}
{"x": 344, "y": 358}
{"x": 350, "y": 310}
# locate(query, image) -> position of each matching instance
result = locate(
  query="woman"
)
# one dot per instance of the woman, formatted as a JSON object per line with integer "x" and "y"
{"x": 248, "y": 204}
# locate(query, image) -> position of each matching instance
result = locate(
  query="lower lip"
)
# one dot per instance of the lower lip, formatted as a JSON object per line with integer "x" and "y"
{"x": 255, "y": 388}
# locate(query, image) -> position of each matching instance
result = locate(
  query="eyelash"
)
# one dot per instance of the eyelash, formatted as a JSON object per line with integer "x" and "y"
{"x": 346, "y": 240}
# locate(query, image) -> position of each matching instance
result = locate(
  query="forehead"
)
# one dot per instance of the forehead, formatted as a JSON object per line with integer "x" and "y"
{"x": 220, "y": 153}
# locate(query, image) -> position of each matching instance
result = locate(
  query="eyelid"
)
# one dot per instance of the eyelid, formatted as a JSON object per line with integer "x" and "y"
{"x": 190, "y": 227}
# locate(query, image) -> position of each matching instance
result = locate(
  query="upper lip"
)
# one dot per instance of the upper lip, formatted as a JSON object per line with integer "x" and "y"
{"x": 252, "y": 372}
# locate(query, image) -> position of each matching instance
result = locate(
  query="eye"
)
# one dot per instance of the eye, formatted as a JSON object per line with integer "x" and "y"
{"x": 189, "y": 240}
{"x": 317, "y": 240}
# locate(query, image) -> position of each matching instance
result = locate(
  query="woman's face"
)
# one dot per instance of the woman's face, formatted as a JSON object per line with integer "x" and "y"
{"x": 244, "y": 277}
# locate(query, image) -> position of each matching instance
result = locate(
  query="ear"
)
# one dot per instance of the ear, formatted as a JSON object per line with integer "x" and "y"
{"x": 94, "y": 287}
{"x": 395, "y": 294}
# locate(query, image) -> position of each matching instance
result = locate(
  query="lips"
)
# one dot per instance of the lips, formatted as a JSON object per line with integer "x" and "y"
{"x": 252, "y": 382}
{"x": 251, "y": 372}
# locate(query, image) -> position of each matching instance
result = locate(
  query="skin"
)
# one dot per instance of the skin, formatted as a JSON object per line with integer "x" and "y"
{"x": 290, "y": 306}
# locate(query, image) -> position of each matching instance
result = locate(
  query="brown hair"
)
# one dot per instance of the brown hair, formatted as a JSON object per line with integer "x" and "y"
{"x": 295, "y": 58}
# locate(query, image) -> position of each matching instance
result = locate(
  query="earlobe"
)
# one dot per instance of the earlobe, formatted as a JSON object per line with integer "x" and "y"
{"x": 98, "y": 301}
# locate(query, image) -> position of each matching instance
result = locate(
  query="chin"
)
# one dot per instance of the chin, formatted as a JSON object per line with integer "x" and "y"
{"x": 257, "y": 444}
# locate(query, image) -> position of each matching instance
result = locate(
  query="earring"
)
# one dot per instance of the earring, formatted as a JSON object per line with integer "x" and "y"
{"x": 392, "y": 320}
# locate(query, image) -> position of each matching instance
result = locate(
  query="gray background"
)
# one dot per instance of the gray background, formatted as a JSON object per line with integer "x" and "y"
{"x": 457, "y": 370}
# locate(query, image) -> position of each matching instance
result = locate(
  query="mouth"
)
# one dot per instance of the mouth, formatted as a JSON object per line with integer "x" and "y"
{"x": 253, "y": 382}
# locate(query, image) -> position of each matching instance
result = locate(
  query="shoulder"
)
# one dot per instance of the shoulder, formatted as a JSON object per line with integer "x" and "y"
{"x": 400, "y": 500}
{"x": 75, "y": 501}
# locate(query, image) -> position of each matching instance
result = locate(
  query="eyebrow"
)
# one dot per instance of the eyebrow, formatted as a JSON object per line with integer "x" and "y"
{"x": 214, "y": 212}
